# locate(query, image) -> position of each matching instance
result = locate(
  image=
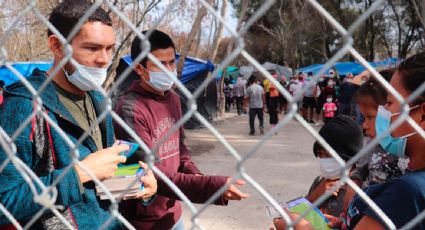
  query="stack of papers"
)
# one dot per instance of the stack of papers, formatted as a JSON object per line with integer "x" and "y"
{"x": 118, "y": 184}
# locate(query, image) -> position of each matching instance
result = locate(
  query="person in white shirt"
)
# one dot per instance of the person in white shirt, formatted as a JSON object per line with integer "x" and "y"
{"x": 296, "y": 88}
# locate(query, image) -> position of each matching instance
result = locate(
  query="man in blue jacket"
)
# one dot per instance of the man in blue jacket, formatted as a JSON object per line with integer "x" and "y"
{"x": 70, "y": 101}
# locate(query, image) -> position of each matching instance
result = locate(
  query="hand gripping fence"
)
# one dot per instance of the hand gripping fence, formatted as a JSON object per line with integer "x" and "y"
{"x": 46, "y": 196}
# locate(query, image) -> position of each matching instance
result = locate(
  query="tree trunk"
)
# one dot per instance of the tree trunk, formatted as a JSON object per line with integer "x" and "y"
{"x": 195, "y": 29}
{"x": 198, "y": 42}
{"x": 325, "y": 46}
{"x": 399, "y": 29}
{"x": 213, "y": 27}
{"x": 230, "y": 46}
{"x": 370, "y": 23}
{"x": 218, "y": 33}
{"x": 387, "y": 45}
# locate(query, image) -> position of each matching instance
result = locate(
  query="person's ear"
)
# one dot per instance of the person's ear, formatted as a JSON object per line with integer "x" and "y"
{"x": 142, "y": 72}
{"x": 55, "y": 46}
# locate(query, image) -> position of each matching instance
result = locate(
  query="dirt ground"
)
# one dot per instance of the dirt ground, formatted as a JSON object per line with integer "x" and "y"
{"x": 284, "y": 166}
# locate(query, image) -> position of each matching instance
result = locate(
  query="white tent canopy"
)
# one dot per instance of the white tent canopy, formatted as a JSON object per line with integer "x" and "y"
{"x": 280, "y": 70}
{"x": 246, "y": 71}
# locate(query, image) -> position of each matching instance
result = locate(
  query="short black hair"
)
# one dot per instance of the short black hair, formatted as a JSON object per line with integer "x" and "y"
{"x": 157, "y": 40}
{"x": 252, "y": 80}
{"x": 343, "y": 134}
{"x": 67, "y": 14}
{"x": 310, "y": 74}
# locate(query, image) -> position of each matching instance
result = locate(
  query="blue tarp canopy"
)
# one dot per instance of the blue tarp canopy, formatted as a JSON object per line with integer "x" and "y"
{"x": 349, "y": 67}
{"x": 24, "y": 68}
{"x": 192, "y": 67}
{"x": 231, "y": 72}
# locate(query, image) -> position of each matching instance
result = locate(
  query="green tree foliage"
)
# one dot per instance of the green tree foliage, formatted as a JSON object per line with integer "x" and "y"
{"x": 292, "y": 33}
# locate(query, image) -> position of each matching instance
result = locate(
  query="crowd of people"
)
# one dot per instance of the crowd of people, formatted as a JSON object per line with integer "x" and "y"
{"x": 353, "y": 113}
{"x": 317, "y": 102}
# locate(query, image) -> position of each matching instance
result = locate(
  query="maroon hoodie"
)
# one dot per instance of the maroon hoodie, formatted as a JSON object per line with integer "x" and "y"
{"x": 151, "y": 116}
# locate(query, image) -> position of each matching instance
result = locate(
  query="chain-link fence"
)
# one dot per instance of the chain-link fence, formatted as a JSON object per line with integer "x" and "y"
{"x": 46, "y": 192}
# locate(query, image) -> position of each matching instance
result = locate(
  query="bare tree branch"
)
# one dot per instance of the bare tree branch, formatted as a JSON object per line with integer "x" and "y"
{"x": 194, "y": 30}
{"x": 219, "y": 32}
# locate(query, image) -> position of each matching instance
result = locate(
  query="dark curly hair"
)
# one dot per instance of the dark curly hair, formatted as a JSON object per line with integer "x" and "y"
{"x": 374, "y": 90}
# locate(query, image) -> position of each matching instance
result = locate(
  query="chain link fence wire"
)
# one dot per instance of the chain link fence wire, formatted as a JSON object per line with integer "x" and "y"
{"x": 46, "y": 196}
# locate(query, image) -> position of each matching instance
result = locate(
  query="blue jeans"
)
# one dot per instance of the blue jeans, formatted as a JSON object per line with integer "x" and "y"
{"x": 179, "y": 225}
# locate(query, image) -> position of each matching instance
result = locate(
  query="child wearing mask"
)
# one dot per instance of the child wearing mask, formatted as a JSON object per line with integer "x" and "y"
{"x": 329, "y": 109}
{"x": 377, "y": 166}
{"x": 345, "y": 136}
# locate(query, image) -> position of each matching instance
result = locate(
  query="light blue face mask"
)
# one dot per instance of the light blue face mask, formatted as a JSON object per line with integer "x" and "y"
{"x": 393, "y": 145}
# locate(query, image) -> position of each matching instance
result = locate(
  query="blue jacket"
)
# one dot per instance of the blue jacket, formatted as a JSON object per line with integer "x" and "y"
{"x": 84, "y": 208}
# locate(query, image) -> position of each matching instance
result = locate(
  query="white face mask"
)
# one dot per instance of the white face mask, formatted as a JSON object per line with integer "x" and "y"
{"x": 329, "y": 100}
{"x": 329, "y": 168}
{"x": 161, "y": 81}
{"x": 87, "y": 78}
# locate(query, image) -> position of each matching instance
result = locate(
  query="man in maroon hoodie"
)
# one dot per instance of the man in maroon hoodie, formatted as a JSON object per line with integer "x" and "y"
{"x": 150, "y": 107}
